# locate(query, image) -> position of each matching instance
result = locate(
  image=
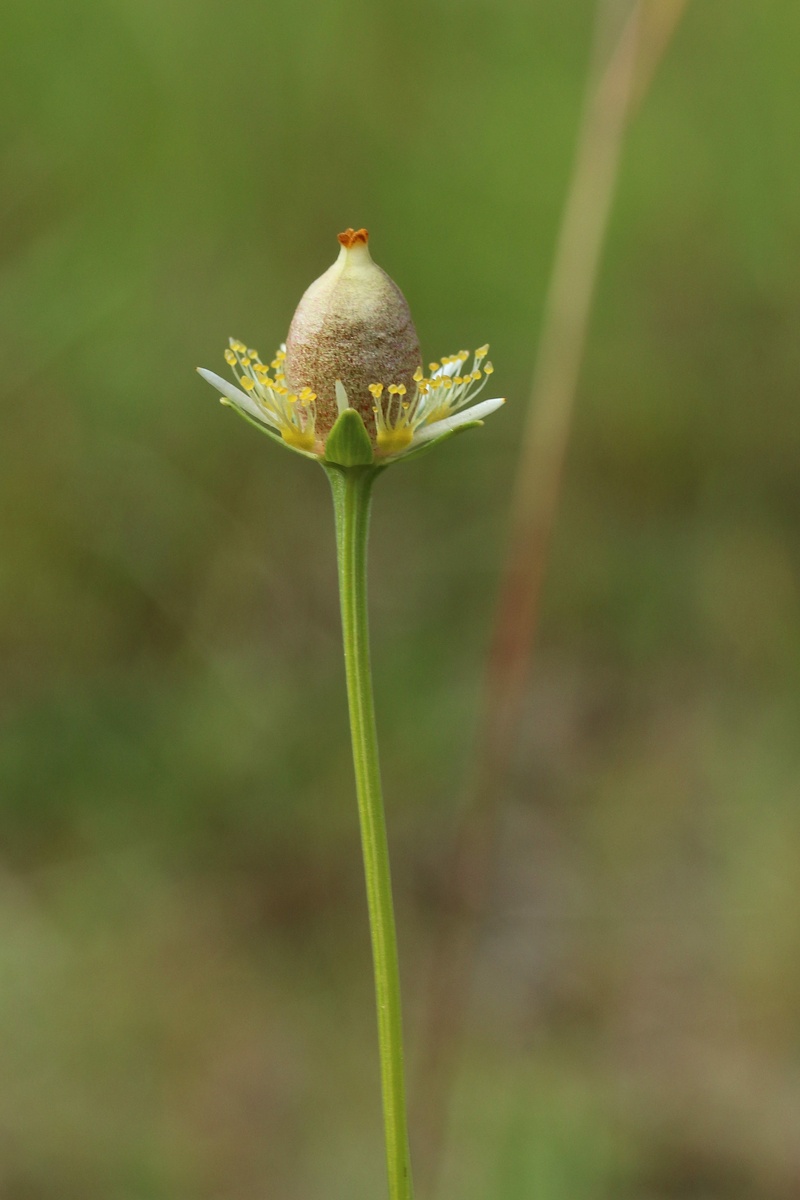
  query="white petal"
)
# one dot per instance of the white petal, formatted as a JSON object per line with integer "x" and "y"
{"x": 450, "y": 368}
{"x": 342, "y": 402}
{"x": 235, "y": 395}
{"x": 476, "y": 413}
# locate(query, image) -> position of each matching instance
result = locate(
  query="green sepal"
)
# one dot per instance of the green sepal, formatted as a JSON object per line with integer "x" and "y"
{"x": 275, "y": 437}
{"x": 423, "y": 449}
{"x": 348, "y": 443}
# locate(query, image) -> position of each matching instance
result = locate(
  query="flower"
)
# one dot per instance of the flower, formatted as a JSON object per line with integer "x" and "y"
{"x": 352, "y": 349}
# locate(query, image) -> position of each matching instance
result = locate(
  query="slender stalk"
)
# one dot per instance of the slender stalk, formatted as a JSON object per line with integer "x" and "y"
{"x": 352, "y": 489}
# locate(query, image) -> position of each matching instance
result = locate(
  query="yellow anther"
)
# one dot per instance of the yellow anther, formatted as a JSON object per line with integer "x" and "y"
{"x": 463, "y": 355}
{"x": 475, "y": 376}
{"x": 424, "y": 387}
{"x": 239, "y": 347}
{"x": 436, "y": 383}
{"x": 245, "y": 362}
{"x": 247, "y": 383}
{"x": 488, "y": 368}
{"x": 393, "y": 389}
{"x": 230, "y": 358}
{"x": 401, "y": 389}
{"x": 418, "y": 375}
{"x": 292, "y": 398}
{"x": 376, "y": 389}
{"x": 252, "y": 354}
{"x": 433, "y": 366}
{"x": 447, "y": 382}
{"x": 482, "y": 352}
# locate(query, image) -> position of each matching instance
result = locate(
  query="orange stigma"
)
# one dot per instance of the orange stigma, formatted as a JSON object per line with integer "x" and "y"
{"x": 351, "y": 237}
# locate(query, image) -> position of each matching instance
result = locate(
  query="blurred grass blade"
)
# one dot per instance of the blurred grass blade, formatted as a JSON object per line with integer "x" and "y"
{"x": 617, "y": 81}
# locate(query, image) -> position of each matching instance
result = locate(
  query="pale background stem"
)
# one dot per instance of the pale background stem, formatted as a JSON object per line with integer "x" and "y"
{"x": 629, "y": 41}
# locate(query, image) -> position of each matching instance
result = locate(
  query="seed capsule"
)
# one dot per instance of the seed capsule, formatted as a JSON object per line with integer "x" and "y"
{"x": 352, "y": 324}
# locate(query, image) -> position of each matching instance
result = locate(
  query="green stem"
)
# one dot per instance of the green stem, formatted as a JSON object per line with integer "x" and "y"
{"x": 352, "y": 489}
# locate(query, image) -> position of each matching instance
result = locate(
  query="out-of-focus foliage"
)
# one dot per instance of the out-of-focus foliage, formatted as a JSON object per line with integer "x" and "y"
{"x": 185, "y": 1006}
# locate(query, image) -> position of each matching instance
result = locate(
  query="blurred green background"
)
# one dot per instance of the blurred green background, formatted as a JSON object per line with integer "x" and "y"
{"x": 185, "y": 990}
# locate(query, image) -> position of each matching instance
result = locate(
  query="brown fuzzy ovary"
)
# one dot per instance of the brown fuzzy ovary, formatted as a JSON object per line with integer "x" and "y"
{"x": 352, "y": 324}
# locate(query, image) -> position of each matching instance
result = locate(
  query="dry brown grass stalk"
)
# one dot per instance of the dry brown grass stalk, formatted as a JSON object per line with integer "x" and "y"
{"x": 624, "y": 67}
